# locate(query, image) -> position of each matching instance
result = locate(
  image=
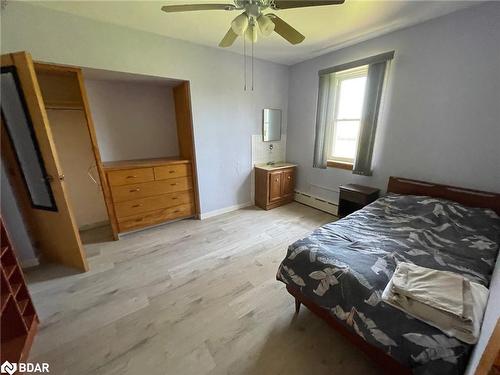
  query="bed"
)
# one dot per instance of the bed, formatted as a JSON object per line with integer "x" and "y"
{"x": 341, "y": 269}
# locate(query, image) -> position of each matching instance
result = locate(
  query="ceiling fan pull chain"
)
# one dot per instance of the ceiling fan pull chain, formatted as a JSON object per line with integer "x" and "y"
{"x": 245, "y": 63}
{"x": 252, "y": 63}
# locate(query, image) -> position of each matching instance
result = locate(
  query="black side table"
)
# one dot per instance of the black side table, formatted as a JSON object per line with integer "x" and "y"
{"x": 354, "y": 197}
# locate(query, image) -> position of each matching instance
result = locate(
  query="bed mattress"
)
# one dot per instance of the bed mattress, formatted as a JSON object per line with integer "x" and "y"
{"x": 344, "y": 267}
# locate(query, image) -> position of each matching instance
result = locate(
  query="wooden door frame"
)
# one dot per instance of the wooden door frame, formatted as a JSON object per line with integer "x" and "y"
{"x": 57, "y": 68}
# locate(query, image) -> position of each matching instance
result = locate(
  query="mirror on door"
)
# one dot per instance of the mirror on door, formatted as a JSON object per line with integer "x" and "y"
{"x": 19, "y": 127}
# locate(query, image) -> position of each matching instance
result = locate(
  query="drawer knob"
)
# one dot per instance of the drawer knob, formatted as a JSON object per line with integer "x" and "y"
{"x": 173, "y": 198}
{"x": 276, "y": 180}
{"x": 131, "y": 176}
{"x": 171, "y": 171}
{"x": 289, "y": 177}
{"x": 174, "y": 184}
{"x": 137, "y": 205}
{"x": 134, "y": 190}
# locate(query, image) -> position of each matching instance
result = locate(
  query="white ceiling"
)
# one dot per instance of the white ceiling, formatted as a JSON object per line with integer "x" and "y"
{"x": 326, "y": 28}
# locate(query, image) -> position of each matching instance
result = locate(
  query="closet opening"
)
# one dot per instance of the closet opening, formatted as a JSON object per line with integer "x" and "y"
{"x": 125, "y": 144}
{"x": 144, "y": 131}
{"x": 118, "y": 149}
{"x": 64, "y": 96}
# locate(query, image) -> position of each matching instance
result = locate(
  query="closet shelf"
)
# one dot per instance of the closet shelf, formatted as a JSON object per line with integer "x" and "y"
{"x": 16, "y": 288}
{"x": 64, "y": 105}
{"x": 9, "y": 270}
{"x": 5, "y": 297}
{"x": 22, "y": 305}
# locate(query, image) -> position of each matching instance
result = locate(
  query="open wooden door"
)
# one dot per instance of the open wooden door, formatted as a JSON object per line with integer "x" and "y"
{"x": 185, "y": 135}
{"x": 31, "y": 162}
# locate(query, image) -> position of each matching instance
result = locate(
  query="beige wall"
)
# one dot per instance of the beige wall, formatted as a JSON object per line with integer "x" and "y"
{"x": 133, "y": 120}
{"x": 73, "y": 145}
{"x": 224, "y": 115}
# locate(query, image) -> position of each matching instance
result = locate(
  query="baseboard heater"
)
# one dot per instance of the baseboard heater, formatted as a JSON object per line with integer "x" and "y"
{"x": 315, "y": 202}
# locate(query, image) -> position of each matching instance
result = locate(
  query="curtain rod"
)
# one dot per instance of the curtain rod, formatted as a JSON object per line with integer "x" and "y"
{"x": 353, "y": 64}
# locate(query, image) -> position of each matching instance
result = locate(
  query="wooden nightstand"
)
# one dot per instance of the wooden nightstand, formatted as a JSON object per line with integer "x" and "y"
{"x": 354, "y": 197}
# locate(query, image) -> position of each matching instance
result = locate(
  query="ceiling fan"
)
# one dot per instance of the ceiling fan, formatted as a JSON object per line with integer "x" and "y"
{"x": 253, "y": 19}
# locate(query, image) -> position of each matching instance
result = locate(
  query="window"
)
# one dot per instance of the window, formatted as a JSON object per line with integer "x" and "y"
{"x": 343, "y": 129}
{"x": 347, "y": 93}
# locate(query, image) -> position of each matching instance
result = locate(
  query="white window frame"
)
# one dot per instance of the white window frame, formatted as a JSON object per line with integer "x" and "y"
{"x": 361, "y": 71}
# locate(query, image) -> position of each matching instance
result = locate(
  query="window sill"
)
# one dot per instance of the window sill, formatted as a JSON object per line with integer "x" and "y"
{"x": 339, "y": 165}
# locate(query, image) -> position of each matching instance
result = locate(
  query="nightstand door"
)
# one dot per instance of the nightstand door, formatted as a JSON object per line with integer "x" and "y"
{"x": 275, "y": 179}
{"x": 288, "y": 183}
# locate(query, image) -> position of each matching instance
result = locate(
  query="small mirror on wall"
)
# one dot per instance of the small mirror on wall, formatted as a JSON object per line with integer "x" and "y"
{"x": 271, "y": 125}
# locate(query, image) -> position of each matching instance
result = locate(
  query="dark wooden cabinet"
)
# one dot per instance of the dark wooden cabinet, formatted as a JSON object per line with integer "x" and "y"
{"x": 18, "y": 316}
{"x": 354, "y": 197}
{"x": 274, "y": 186}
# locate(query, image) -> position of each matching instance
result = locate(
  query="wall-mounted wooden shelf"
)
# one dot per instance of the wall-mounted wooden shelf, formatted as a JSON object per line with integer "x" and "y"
{"x": 19, "y": 321}
{"x": 59, "y": 87}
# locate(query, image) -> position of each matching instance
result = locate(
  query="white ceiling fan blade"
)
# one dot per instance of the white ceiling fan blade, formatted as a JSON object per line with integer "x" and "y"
{"x": 286, "y": 31}
{"x": 196, "y": 7}
{"x": 228, "y": 39}
{"x": 289, "y": 4}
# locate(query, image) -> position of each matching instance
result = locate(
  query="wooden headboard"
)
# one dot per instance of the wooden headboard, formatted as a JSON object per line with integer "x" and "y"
{"x": 467, "y": 197}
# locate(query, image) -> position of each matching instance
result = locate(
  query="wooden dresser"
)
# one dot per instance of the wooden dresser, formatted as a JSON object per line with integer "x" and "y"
{"x": 149, "y": 192}
{"x": 274, "y": 185}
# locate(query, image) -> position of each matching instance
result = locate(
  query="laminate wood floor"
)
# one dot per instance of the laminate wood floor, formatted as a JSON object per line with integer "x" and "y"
{"x": 191, "y": 297}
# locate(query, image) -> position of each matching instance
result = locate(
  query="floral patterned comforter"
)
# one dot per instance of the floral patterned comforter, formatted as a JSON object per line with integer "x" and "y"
{"x": 344, "y": 267}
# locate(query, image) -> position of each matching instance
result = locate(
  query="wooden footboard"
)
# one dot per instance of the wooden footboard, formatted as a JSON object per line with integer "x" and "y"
{"x": 386, "y": 362}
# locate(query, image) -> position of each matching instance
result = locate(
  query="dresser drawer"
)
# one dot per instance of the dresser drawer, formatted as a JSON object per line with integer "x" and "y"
{"x": 130, "y": 176}
{"x": 155, "y": 217}
{"x": 172, "y": 171}
{"x": 137, "y": 206}
{"x": 148, "y": 189}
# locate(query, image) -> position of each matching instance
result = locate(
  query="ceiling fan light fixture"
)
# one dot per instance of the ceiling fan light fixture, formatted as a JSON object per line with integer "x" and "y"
{"x": 240, "y": 24}
{"x": 265, "y": 24}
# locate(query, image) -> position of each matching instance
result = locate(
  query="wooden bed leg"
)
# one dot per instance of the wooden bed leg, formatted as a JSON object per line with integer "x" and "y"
{"x": 297, "y": 306}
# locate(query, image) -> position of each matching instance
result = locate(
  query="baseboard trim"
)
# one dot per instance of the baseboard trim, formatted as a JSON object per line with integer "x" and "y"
{"x": 224, "y": 210}
{"x": 316, "y": 202}
{"x": 93, "y": 225}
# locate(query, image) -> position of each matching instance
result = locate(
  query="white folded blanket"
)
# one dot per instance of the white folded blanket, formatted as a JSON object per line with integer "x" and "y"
{"x": 445, "y": 300}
